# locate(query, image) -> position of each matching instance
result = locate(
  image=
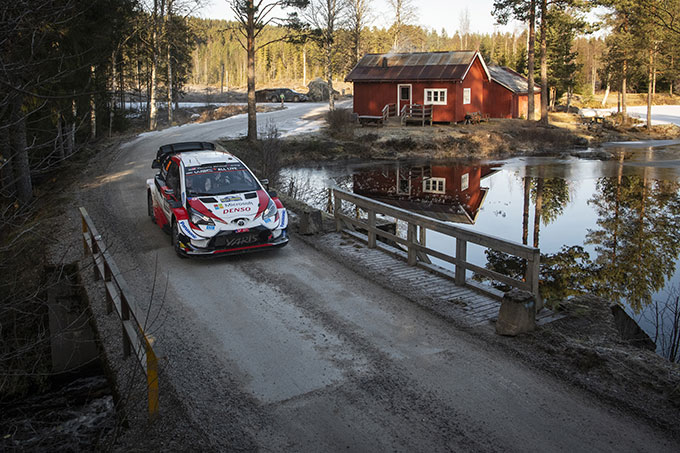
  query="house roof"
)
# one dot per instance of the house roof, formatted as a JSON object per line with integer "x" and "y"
{"x": 511, "y": 80}
{"x": 414, "y": 66}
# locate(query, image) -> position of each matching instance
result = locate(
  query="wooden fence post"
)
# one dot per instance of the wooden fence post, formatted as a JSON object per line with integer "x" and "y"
{"x": 532, "y": 277}
{"x": 125, "y": 316}
{"x": 151, "y": 377}
{"x": 371, "y": 229}
{"x": 411, "y": 238}
{"x": 336, "y": 211}
{"x": 461, "y": 256}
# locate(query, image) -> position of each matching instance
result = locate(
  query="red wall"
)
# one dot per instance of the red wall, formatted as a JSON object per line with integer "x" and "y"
{"x": 371, "y": 97}
{"x": 500, "y": 102}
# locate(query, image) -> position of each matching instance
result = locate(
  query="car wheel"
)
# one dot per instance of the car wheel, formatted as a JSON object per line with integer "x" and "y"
{"x": 273, "y": 99}
{"x": 296, "y": 99}
{"x": 174, "y": 239}
{"x": 149, "y": 207}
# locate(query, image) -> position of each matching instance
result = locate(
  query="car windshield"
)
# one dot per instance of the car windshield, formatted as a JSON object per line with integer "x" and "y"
{"x": 219, "y": 179}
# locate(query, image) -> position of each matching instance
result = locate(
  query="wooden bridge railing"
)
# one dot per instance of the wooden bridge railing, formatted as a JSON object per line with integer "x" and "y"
{"x": 416, "y": 235}
{"x": 135, "y": 340}
{"x": 416, "y": 112}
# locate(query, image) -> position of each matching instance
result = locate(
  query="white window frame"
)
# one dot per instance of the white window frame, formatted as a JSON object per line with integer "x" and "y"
{"x": 432, "y": 185}
{"x": 467, "y": 95}
{"x": 440, "y": 94}
{"x": 465, "y": 182}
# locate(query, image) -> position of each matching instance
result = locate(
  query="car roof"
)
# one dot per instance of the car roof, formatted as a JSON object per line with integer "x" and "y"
{"x": 197, "y": 158}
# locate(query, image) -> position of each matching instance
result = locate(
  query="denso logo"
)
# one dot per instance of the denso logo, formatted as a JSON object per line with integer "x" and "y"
{"x": 235, "y": 210}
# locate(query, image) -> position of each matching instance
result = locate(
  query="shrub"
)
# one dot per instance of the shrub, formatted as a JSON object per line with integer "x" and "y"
{"x": 340, "y": 123}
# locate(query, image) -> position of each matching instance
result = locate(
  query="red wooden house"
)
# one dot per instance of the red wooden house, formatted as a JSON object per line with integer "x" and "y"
{"x": 454, "y": 83}
{"x": 507, "y": 93}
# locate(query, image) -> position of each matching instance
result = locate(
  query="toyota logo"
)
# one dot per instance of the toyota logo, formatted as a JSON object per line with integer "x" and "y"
{"x": 240, "y": 223}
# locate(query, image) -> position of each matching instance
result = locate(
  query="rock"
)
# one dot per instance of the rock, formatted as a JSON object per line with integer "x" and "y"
{"x": 517, "y": 314}
{"x": 318, "y": 90}
{"x": 630, "y": 330}
{"x": 310, "y": 222}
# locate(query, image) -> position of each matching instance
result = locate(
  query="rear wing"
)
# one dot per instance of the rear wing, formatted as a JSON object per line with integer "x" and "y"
{"x": 166, "y": 151}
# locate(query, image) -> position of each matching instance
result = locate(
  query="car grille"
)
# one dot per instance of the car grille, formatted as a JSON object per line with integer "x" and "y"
{"x": 232, "y": 239}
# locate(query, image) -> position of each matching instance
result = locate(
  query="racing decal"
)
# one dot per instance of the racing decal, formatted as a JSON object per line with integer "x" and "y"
{"x": 200, "y": 207}
{"x": 283, "y": 223}
{"x": 232, "y": 166}
{"x": 230, "y": 198}
{"x": 278, "y": 203}
{"x": 186, "y": 230}
{"x": 263, "y": 201}
{"x": 243, "y": 230}
{"x": 218, "y": 206}
{"x": 237, "y": 209}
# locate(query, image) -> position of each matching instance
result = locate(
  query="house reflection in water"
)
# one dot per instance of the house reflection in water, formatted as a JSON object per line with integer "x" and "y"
{"x": 452, "y": 193}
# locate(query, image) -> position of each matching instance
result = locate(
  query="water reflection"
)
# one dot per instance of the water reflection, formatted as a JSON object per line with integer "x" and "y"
{"x": 609, "y": 228}
{"x": 452, "y": 193}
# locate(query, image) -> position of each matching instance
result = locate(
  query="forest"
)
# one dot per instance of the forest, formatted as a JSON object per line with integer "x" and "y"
{"x": 69, "y": 66}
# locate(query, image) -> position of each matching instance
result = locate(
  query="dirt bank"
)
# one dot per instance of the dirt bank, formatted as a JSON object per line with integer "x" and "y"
{"x": 493, "y": 139}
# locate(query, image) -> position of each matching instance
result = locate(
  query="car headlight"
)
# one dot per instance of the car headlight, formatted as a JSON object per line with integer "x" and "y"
{"x": 199, "y": 219}
{"x": 271, "y": 211}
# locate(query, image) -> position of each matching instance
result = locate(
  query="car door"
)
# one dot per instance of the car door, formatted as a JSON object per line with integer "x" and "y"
{"x": 168, "y": 185}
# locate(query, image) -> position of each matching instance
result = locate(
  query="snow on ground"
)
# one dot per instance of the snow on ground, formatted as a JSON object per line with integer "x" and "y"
{"x": 661, "y": 114}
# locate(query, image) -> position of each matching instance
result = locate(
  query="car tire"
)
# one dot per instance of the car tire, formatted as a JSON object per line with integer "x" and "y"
{"x": 273, "y": 99}
{"x": 149, "y": 206}
{"x": 174, "y": 239}
{"x": 296, "y": 99}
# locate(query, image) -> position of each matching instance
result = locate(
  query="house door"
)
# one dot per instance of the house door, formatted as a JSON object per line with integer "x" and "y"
{"x": 403, "y": 96}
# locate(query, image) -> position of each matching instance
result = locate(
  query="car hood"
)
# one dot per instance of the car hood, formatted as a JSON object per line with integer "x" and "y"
{"x": 229, "y": 209}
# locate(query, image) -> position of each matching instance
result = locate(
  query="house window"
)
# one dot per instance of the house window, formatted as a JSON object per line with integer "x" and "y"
{"x": 435, "y": 96}
{"x": 467, "y": 94}
{"x": 405, "y": 93}
{"x": 434, "y": 185}
{"x": 464, "y": 182}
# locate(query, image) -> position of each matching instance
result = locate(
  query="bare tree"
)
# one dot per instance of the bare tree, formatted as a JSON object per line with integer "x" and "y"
{"x": 359, "y": 17}
{"x": 253, "y": 16}
{"x": 325, "y": 16}
{"x": 405, "y": 12}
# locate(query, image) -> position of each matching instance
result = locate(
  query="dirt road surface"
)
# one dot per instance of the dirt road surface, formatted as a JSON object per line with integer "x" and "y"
{"x": 288, "y": 350}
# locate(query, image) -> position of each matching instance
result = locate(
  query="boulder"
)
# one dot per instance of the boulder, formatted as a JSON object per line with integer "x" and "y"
{"x": 318, "y": 90}
{"x": 517, "y": 314}
{"x": 310, "y": 222}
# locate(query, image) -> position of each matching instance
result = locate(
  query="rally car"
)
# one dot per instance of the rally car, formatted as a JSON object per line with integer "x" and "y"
{"x": 211, "y": 203}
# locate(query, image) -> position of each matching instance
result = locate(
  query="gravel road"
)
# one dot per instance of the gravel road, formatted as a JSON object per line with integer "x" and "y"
{"x": 288, "y": 350}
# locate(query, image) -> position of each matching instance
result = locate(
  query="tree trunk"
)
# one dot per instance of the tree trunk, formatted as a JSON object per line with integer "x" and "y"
{"x": 59, "y": 140}
{"x": 650, "y": 87}
{"x": 20, "y": 163}
{"x": 153, "y": 109}
{"x": 606, "y": 93}
{"x": 544, "y": 62}
{"x": 304, "y": 66}
{"x": 112, "y": 95}
{"x": 329, "y": 75}
{"x": 538, "y": 209}
{"x": 93, "y": 106}
{"x": 250, "y": 48}
{"x": 530, "y": 60}
{"x": 170, "y": 84}
{"x": 6, "y": 159}
{"x": 624, "y": 110}
{"x": 525, "y": 211}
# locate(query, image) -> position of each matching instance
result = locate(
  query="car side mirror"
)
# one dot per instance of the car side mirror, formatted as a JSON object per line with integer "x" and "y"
{"x": 155, "y": 164}
{"x": 265, "y": 183}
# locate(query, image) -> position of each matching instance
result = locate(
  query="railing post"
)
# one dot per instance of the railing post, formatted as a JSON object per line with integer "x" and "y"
{"x": 109, "y": 296}
{"x": 125, "y": 316}
{"x": 371, "y": 229}
{"x": 411, "y": 238}
{"x": 461, "y": 257}
{"x": 532, "y": 277}
{"x": 329, "y": 203}
{"x": 151, "y": 377}
{"x": 95, "y": 254}
{"x": 336, "y": 211}
{"x": 86, "y": 249}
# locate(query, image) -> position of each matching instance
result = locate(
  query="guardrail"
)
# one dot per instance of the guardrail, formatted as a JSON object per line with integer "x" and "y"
{"x": 118, "y": 295}
{"x": 417, "y": 249}
{"x": 416, "y": 112}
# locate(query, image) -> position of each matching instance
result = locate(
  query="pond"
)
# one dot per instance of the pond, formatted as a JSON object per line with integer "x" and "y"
{"x": 611, "y": 227}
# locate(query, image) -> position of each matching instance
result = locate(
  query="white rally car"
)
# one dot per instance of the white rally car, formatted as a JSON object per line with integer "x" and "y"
{"x": 211, "y": 203}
